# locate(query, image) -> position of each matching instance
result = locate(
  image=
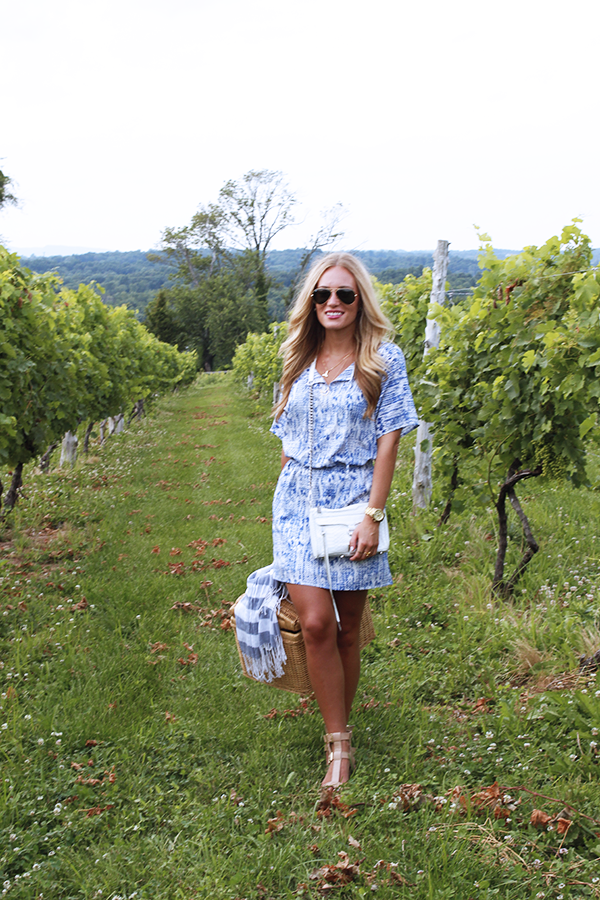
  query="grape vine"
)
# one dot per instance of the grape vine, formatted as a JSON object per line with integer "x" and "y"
{"x": 66, "y": 358}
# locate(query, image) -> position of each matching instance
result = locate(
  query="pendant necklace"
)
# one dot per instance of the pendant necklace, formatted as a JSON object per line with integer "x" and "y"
{"x": 331, "y": 368}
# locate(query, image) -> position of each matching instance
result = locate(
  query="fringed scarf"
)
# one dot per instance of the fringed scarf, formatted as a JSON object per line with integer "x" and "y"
{"x": 257, "y": 627}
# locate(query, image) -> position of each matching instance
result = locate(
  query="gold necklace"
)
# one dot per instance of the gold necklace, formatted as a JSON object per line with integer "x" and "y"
{"x": 331, "y": 368}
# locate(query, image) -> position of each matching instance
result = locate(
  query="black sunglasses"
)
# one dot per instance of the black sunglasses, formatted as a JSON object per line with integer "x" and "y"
{"x": 322, "y": 295}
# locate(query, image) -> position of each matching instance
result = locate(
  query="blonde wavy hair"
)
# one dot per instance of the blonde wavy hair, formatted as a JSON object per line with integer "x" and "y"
{"x": 306, "y": 334}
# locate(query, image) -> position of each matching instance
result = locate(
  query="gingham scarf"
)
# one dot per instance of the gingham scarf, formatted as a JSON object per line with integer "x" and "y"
{"x": 257, "y": 627}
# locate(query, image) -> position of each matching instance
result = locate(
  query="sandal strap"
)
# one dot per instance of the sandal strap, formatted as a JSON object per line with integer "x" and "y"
{"x": 337, "y": 736}
{"x": 338, "y": 754}
{"x": 335, "y": 754}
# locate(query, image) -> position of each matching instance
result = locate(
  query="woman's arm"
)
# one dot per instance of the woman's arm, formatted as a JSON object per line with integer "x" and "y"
{"x": 383, "y": 471}
{"x": 366, "y": 537}
{"x": 284, "y": 459}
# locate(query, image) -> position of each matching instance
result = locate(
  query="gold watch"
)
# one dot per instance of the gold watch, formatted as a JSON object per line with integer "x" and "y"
{"x": 376, "y": 514}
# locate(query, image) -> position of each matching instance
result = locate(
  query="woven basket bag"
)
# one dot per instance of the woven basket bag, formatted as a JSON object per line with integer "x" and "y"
{"x": 295, "y": 678}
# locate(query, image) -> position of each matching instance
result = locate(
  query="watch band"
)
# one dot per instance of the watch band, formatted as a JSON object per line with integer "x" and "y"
{"x": 376, "y": 514}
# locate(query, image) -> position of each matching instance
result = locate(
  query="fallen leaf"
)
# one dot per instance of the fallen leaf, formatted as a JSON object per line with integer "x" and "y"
{"x": 488, "y": 797}
{"x": 96, "y": 810}
{"x": 276, "y": 824}
{"x": 540, "y": 819}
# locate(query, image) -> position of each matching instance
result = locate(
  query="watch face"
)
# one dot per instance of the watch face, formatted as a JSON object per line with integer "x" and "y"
{"x": 378, "y": 515}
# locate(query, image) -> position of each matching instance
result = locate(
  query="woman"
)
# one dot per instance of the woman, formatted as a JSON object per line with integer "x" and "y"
{"x": 361, "y": 406}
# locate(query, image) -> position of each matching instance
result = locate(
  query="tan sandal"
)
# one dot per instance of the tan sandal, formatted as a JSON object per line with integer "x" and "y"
{"x": 334, "y": 754}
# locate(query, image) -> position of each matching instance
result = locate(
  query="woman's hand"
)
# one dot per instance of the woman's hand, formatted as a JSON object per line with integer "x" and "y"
{"x": 364, "y": 540}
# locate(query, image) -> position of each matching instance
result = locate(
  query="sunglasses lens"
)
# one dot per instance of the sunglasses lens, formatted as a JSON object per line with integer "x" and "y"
{"x": 321, "y": 295}
{"x": 345, "y": 295}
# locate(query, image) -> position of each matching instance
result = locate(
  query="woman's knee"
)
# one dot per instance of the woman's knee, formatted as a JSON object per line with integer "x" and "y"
{"x": 319, "y": 631}
{"x": 349, "y": 636}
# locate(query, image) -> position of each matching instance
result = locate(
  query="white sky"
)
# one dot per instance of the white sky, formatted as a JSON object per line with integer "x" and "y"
{"x": 119, "y": 117}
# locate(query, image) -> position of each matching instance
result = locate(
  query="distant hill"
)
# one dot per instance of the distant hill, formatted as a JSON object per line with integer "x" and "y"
{"x": 131, "y": 278}
{"x": 127, "y": 277}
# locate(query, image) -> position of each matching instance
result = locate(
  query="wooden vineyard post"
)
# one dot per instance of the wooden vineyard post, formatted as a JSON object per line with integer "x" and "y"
{"x": 68, "y": 455}
{"x": 422, "y": 484}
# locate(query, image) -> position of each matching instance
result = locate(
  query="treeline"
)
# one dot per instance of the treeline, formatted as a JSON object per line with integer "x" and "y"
{"x": 133, "y": 278}
{"x": 129, "y": 278}
{"x": 67, "y": 358}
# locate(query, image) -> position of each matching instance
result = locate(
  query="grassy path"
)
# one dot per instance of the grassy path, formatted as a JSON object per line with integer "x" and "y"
{"x": 138, "y": 762}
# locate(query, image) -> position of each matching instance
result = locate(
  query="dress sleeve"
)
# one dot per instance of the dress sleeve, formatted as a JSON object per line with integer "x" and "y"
{"x": 395, "y": 408}
{"x": 279, "y": 426}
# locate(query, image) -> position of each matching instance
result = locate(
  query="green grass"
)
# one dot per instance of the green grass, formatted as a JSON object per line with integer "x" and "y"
{"x": 137, "y": 761}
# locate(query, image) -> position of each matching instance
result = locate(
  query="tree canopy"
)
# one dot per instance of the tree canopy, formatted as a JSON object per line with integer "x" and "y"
{"x": 221, "y": 285}
{"x": 5, "y": 194}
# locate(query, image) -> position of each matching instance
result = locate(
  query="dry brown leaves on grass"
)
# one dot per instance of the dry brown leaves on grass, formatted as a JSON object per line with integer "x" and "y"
{"x": 562, "y": 822}
{"x": 343, "y": 872}
{"x": 494, "y": 800}
{"x": 279, "y": 822}
{"x": 211, "y": 618}
{"x": 330, "y": 801}
{"x": 191, "y": 659}
{"x": 305, "y": 709}
{"x": 412, "y": 796}
{"x": 109, "y": 776}
{"x": 96, "y": 810}
{"x": 330, "y": 877}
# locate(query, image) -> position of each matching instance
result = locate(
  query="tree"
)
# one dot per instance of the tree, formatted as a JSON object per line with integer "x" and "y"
{"x": 160, "y": 319}
{"x": 221, "y": 284}
{"x": 253, "y": 211}
{"x": 324, "y": 237}
{"x": 5, "y": 194}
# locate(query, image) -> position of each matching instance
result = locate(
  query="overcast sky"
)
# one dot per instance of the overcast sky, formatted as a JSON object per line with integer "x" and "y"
{"x": 422, "y": 118}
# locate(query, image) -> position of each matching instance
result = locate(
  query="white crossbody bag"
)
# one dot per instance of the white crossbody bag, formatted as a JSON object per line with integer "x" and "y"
{"x": 332, "y": 529}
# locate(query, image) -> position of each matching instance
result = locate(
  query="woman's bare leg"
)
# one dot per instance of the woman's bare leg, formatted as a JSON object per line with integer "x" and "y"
{"x": 350, "y": 606}
{"x": 332, "y": 655}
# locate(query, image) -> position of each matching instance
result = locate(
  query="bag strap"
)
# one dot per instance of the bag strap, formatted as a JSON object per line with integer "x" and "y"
{"x": 311, "y": 425}
{"x": 328, "y": 569}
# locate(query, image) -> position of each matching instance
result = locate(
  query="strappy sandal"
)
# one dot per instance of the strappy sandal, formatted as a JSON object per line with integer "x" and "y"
{"x": 334, "y": 754}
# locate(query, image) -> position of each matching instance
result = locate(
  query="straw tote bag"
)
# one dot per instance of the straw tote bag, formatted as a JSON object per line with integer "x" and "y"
{"x": 295, "y": 678}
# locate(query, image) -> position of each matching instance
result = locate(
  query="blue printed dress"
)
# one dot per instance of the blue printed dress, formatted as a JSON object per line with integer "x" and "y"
{"x": 344, "y": 450}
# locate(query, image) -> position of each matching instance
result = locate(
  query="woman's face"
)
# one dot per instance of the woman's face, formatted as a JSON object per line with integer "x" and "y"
{"x": 333, "y": 314}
